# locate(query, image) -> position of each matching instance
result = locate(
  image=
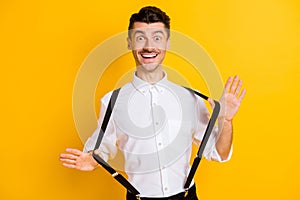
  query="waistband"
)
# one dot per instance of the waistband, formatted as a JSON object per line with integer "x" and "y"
{"x": 190, "y": 194}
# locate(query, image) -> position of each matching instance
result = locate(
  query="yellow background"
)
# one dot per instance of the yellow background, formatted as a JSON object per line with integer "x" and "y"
{"x": 43, "y": 44}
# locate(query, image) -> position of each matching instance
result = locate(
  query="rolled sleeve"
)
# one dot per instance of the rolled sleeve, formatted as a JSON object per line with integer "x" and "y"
{"x": 202, "y": 119}
{"x": 210, "y": 152}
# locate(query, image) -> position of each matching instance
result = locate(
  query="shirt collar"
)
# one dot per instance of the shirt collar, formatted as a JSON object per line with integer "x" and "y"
{"x": 144, "y": 87}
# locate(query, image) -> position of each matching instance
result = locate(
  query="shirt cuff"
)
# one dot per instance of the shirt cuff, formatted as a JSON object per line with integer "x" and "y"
{"x": 214, "y": 155}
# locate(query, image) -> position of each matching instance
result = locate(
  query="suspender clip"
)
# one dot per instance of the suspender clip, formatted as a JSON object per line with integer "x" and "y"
{"x": 115, "y": 174}
{"x": 138, "y": 197}
{"x": 186, "y": 192}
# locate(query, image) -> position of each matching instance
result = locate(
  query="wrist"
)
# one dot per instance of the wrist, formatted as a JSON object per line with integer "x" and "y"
{"x": 227, "y": 123}
{"x": 224, "y": 119}
{"x": 96, "y": 164}
{"x": 227, "y": 120}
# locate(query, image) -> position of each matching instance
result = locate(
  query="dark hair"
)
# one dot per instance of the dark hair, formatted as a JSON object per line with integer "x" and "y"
{"x": 150, "y": 14}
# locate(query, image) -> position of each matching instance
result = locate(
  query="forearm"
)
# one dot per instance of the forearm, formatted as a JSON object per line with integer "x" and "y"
{"x": 224, "y": 142}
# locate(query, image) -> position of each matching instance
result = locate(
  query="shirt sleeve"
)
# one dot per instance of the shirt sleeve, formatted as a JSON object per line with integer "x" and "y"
{"x": 107, "y": 147}
{"x": 202, "y": 119}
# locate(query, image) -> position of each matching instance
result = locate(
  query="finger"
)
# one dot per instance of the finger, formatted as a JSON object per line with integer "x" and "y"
{"x": 67, "y": 161}
{"x": 97, "y": 151}
{"x": 242, "y": 95}
{"x": 72, "y": 166}
{"x": 211, "y": 102}
{"x": 228, "y": 83}
{"x": 237, "y": 91}
{"x": 74, "y": 151}
{"x": 68, "y": 156}
{"x": 234, "y": 83}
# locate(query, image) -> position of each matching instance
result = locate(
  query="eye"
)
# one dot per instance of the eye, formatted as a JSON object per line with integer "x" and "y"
{"x": 140, "y": 38}
{"x": 157, "y": 38}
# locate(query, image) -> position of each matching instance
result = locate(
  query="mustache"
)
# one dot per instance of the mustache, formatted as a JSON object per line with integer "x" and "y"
{"x": 149, "y": 51}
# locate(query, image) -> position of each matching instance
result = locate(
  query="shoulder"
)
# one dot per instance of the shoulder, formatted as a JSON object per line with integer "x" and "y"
{"x": 181, "y": 90}
{"x": 105, "y": 99}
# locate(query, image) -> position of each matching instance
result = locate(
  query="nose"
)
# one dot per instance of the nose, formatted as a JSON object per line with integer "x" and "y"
{"x": 149, "y": 44}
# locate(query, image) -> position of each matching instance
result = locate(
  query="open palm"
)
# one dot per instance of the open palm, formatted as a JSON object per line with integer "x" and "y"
{"x": 232, "y": 97}
{"x": 77, "y": 159}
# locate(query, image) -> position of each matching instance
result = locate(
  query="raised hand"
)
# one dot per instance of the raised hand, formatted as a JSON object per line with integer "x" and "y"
{"x": 76, "y": 159}
{"x": 232, "y": 97}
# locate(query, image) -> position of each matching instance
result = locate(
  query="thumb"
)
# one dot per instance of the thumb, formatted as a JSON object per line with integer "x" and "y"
{"x": 211, "y": 102}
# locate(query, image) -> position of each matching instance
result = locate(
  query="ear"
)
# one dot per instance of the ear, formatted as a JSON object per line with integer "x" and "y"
{"x": 168, "y": 44}
{"x": 129, "y": 47}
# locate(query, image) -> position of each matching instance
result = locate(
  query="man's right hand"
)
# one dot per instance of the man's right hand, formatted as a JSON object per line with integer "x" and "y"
{"x": 76, "y": 159}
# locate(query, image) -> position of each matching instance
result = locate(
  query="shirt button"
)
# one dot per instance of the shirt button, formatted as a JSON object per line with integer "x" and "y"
{"x": 166, "y": 188}
{"x": 159, "y": 144}
{"x": 156, "y": 123}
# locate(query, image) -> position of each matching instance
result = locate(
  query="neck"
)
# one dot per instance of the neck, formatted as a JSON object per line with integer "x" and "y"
{"x": 150, "y": 77}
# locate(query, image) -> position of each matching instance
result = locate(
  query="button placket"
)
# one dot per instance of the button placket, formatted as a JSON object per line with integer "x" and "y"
{"x": 154, "y": 103}
{"x": 165, "y": 185}
{"x": 159, "y": 143}
{"x": 153, "y": 96}
{"x": 159, "y": 140}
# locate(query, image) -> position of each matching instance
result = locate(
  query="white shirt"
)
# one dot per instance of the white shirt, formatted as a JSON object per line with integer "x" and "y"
{"x": 150, "y": 135}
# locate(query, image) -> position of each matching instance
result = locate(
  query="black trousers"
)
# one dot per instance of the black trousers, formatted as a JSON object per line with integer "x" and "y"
{"x": 180, "y": 196}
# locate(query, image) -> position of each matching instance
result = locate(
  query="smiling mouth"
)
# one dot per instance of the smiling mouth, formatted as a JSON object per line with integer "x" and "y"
{"x": 149, "y": 55}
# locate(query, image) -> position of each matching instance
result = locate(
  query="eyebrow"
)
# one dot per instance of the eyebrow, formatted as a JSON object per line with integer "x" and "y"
{"x": 138, "y": 31}
{"x": 159, "y": 32}
{"x": 143, "y": 32}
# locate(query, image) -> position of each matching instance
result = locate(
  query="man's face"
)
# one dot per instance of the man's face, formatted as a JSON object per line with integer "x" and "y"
{"x": 148, "y": 43}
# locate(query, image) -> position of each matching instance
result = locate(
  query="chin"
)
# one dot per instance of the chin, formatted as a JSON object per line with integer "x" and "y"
{"x": 150, "y": 67}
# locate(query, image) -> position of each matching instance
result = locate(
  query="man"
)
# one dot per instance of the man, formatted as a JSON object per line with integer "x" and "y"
{"x": 155, "y": 121}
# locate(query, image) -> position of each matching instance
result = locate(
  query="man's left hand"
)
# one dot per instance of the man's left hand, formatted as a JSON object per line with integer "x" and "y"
{"x": 232, "y": 97}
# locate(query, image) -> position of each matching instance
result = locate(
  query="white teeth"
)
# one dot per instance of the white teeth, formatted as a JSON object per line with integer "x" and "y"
{"x": 149, "y": 55}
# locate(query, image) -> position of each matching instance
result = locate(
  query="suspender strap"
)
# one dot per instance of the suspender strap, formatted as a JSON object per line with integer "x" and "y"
{"x": 204, "y": 141}
{"x": 104, "y": 164}
{"x": 107, "y": 115}
{"x": 116, "y": 175}
{"x": 196, "y": 161}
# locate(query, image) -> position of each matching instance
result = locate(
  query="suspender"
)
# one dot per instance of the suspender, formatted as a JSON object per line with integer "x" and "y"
{"x": 196, "y": 161}
{"x": 104, "y": 164}
{"x": 204, "y": 141}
